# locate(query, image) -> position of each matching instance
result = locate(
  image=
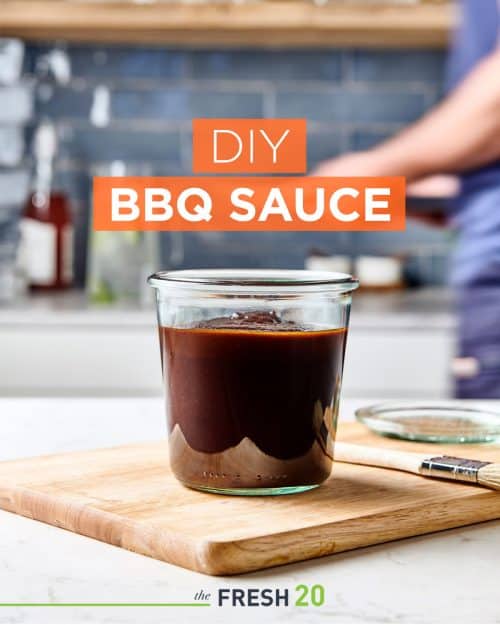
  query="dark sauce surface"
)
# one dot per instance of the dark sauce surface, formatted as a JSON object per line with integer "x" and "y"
{"x": 256, "y": 321}
{"x": 253, "y": 377}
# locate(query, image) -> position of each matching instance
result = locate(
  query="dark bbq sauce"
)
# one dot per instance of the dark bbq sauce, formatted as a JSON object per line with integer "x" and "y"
{"x": 253, "y": 382}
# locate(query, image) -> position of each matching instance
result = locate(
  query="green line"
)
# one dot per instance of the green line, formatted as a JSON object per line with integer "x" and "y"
{"x": 105, "y": 605}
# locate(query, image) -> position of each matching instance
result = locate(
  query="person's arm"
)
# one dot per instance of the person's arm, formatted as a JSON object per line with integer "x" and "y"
{"x": 461, "y": 133}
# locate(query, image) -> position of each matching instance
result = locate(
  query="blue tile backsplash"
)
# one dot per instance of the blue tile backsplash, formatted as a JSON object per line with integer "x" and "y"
{"x": 397, "y": 66}
{"x": 351, "y": 104}
{"x": 351, "y": 98}
{"x": 292, "y": 65}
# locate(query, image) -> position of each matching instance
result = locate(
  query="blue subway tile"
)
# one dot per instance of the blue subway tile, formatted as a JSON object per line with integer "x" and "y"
{"x": 400, "y": 66}
{"x": 322, "y": 144}
{"x": 185, "y": 103}
{"x": 9, "y": 238}
{"x": 352, "y": 106}
{"x": 94, "y": 145}
{"x": 127, "y": 62}
{"x": 31, "y": 54}
{"x": 267, "y": 65}
{"x": 312, "y": 105}
{"x": 64, "y": 102}
{"x": 251, "y": 249}
{"x": 213, "y": 103}
{"x": 240, "y": 250}
{"x": 171, "y": 104}
{"x": 168, "y": 168}
{"x": 187, "y": 149}
{"x": 74, "y": 182}
{"x": 364, "y": 139}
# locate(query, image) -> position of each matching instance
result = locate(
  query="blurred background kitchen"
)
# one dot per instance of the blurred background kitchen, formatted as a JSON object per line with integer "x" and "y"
{"x": 110, "y": 88}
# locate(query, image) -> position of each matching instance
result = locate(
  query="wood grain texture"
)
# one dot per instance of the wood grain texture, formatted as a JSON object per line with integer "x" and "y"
{"x": 266, "y": 23}
{"x": 127, "y": 497}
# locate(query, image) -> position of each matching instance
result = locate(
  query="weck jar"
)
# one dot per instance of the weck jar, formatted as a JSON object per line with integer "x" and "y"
{"x": 252, "y": 365}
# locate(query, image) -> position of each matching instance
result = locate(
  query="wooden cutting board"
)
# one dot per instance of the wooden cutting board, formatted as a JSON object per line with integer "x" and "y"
{"x": 127, "y": 497}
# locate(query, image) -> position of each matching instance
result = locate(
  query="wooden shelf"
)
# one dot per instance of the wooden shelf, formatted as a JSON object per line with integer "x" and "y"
{"x": 258, "y": 23}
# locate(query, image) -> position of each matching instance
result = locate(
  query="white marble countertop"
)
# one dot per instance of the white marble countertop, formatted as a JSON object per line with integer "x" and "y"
{"x": 448, "y": 577}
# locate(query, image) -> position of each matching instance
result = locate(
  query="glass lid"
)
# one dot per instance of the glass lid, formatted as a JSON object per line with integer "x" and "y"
{"x": 263, "y": 279}
{"x": 436, "y": 423}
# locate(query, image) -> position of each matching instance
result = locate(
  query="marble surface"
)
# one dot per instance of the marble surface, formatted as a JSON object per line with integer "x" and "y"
{"x": 448, "y": 577}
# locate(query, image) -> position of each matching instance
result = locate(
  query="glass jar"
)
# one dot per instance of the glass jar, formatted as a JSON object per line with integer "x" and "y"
{"x": 252, "y": 366}
{"x": 119, "y": 261}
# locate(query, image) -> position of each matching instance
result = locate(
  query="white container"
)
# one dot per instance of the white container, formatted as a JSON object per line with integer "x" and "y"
{"x": 340, "y": 264}
{"x": 379, "y": 271}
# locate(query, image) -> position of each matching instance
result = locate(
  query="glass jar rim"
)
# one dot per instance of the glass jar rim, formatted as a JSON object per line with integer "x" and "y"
{"x": 261, "y": 279}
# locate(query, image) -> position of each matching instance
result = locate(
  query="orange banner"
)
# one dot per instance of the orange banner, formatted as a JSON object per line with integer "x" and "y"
{"x": 249, "y": 146}
{"x": 251, "y": 204}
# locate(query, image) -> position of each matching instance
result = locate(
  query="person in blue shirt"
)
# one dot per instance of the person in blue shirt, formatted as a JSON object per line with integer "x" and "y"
{"x": 460, "y": 136}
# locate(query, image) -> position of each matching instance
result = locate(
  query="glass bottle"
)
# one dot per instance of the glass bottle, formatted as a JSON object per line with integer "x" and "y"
{"x": 47, "y": 225}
